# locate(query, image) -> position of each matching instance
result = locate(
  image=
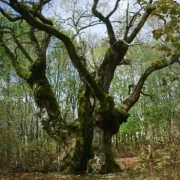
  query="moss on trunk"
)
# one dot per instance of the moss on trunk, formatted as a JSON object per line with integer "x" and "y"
{"x": 103, "y": 160}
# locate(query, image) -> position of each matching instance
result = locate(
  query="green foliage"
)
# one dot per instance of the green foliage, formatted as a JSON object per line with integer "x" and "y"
{"x": 131, "y": 126}
{"x": 168, "y": 12}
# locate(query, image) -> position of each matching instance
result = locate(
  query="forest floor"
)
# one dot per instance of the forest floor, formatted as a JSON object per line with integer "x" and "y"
{"x": 156, "y": 166}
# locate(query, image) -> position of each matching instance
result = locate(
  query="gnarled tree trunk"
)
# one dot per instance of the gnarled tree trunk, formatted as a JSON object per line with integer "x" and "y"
{"x": 106, "y": 124}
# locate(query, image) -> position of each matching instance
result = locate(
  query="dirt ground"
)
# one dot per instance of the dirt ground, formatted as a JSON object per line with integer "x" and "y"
{"x": 133, "y": 169}
{"x": 161, "y": 166}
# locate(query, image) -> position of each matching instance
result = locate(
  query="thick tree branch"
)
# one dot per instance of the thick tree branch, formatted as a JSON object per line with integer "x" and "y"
{"x": 45, "y": 43}
{"x": 24, "y": 74}
{"x": 39, "y": 6}
{"x": 19, "y": 45}
{"x": 12, "y": 19}
{"x": 134, "y": 96}
{"x": 106, "y": 21}
{"x": 36, "y": 9}
{"x": 33, "y": 39}
{"x": 113, "y": 57}
{"x": 40, "y": 49}
{"x": 41, "y": 17}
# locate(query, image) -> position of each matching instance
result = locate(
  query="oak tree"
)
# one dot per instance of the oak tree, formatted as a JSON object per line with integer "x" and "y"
{"x": 89, "y": 136}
